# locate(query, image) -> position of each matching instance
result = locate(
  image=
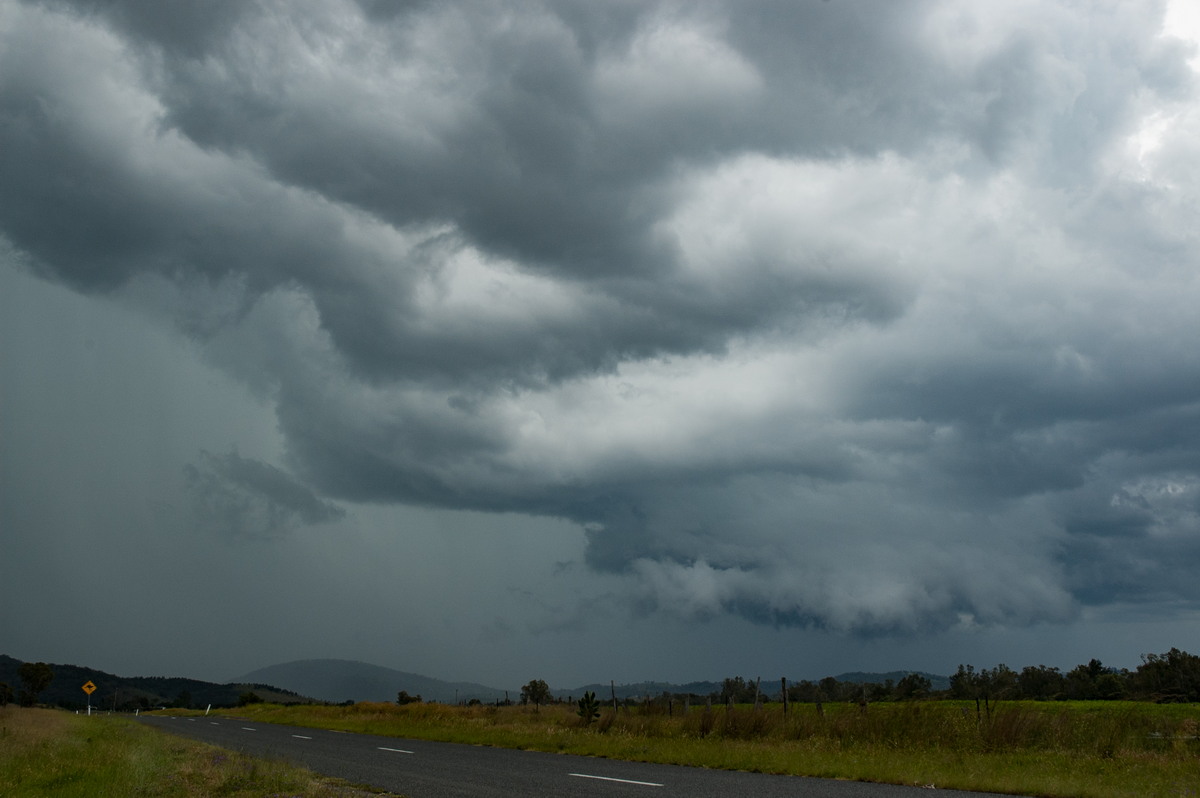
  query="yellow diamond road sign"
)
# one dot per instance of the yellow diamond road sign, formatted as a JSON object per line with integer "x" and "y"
{"x": 89, "y": 688}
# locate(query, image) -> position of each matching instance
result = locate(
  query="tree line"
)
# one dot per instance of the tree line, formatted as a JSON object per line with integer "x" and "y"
{"x": 1173, "y": 677}
{"x": 1164, "y": 678}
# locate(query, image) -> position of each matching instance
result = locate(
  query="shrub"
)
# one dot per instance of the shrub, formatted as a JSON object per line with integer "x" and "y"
{"x": 589, "y": 708}
{"x": 245, "y": 699}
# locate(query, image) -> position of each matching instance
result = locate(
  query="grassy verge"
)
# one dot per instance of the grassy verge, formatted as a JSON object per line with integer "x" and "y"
{"x": 1070, "y": 749}
{"x": 49, "y": 752}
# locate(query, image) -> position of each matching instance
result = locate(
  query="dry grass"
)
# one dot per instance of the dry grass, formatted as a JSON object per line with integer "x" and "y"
{"x": 49, "y": 752}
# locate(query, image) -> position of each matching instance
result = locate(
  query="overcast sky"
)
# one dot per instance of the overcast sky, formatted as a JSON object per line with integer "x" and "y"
{"x": 598, "y": 340}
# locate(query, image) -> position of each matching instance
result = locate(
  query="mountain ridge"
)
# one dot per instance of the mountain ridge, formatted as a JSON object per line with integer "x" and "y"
{"x": 139, "y": 692}
{"x": 363, "y": 681}
{"x": 338, "y": 680}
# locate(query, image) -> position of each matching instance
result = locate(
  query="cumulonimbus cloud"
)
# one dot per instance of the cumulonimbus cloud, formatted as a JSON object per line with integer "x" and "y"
{"x": 822, "y": 314}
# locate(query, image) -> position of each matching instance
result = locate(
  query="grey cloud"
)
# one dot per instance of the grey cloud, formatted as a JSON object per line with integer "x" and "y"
{"x": 846, "y": 556}
{"x": 177, "y": 26}
{"x": 828, "y": 314}
{"x": 241, "y": 497}
{"x": 1137, "y": 541}
{"x": 191, "y": 211}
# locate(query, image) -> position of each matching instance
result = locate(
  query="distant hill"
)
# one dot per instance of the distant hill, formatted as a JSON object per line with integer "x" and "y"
{"x": 131, "y": 692}
{"x": 858, "y": 677}
{"x": 339, "y": 680}
{"x": 640, "y": 690}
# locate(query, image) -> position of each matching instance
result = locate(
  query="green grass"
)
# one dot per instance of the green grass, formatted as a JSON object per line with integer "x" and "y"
{"x": 1084, "y": 749}
{"x": 49, "y": 752}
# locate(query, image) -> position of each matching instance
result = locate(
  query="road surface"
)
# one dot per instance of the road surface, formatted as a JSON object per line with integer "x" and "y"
{"x": 423, "y": 769}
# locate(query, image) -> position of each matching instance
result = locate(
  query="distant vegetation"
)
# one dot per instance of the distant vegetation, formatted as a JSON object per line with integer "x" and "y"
{"x": 1173, "y": 677}
{"x": 403, "y": 698}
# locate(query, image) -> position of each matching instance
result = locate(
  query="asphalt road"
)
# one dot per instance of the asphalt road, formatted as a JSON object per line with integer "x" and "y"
{"x": 422, "y": 769}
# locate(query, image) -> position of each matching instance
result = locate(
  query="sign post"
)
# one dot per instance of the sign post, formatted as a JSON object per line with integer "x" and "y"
{"x": 89, "y": 688}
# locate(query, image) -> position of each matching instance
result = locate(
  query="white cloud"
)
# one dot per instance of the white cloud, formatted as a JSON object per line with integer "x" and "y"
{"x": 1182, "y": 20}
{"x": 672, "y": 66}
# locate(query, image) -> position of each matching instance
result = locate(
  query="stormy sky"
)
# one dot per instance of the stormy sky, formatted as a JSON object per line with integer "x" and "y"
{"x": 588, "y": 341}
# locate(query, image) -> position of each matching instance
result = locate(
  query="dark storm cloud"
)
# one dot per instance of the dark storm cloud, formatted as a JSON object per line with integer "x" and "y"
{"x": 244, "y": 498}
{"x": 177, "y": 26}
{"x": 864, "y": 316}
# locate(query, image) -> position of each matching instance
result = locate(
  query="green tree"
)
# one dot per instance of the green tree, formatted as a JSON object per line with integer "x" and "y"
{"x": 1040, "y": 682}
{"x": 1174, "y": 676}
{"x": 1081, "y": 681}
{"x": 804, "y": 690}
{"x": 248, "y": 698}
{"x": 832, "y": 690}
{"x": 1111, "y": 686}
{"x": 589, "y": 707}
{"x": 914, "y": 685}
{"x": 403, "y": 698}
{"x": 6, "y": 694}
{"x": 35, "y": 678}
{"x": 982, "y": 686}
{"x": 536, "y": 693}
{"x": 999, "y": 682}
{"x": 964, "y": 683}
{"x": 880, "y": 691}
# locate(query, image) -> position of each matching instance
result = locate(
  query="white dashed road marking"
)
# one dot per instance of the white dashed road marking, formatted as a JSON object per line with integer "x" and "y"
{"x": 395, "y": 750}
{"x": 610, "y": 778}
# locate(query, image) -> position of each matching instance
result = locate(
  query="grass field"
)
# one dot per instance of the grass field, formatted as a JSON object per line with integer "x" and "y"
{"x": 1093, "y": 749}
{"x": 47, "y": 752}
